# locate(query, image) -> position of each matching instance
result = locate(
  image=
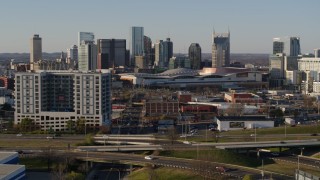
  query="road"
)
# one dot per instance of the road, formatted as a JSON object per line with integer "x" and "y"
{"x": 190, "y": 164}
{"x": 303, "y": 160}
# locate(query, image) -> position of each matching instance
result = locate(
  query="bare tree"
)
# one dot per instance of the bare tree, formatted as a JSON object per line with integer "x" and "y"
{"x": 59, "y": 171}
{"x": 234, "y": 109}
{"x": 216, "y": 136}
{"x": 172, "y": 135}
{"x": 205, "y": 168}
{"x": 151, "y": 172}
{"x": 49, "y": 155}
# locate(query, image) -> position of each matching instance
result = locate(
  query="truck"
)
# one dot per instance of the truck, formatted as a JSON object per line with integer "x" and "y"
{"x": 290, "y": 121}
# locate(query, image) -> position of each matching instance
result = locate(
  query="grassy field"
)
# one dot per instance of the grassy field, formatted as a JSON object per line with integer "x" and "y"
{"x": 289, "y": 168}
{"x": 23, "y": 143}
{"x": 34, "y": 163}
{"x": 38, "y": 141}
{"x": 264, "y": 134}
{"x": 216, "y": 155}
{"x": 163, "y": 173}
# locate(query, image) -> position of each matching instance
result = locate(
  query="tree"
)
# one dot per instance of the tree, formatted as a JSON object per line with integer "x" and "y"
{"x": 74, "y": 176}
{"x": 49, "y": 155}
{"x": 216, "y": 136}
{"x": 27, "y": 125}
{"x": 308, "y": 102}
{"x": 172, "y": 135}
{"x": 276, "y": 113}
{"x": 234, "y": 109}
{"x": 70, "y": 125}
{"x": 104, "y": 129}
{"x": 80, "y": 125}
{"x": 248, "y": 177}
{"x": 6, "y": 107}
{"x": 59, "y": 171}
{"x": 151, "y": 172}
{"x": 204, "y": 166}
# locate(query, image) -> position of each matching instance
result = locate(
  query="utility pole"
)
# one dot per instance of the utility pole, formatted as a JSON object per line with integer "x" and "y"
{"x": 262, "y": 173}
{"x": 255, "y": 133}
{"x": 285, "y": 130}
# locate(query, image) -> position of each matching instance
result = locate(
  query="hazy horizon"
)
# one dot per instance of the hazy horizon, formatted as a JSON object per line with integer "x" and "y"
{"x": 253, "y": 24}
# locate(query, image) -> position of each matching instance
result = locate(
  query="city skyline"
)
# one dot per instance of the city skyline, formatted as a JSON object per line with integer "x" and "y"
{"x": 253, "y": 24}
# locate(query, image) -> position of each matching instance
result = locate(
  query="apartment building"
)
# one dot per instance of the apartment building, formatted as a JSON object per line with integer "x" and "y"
{"x": 52, "y": 98}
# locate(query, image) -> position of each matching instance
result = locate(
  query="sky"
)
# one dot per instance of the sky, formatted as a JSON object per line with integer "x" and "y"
{"x": 252, "y": 23}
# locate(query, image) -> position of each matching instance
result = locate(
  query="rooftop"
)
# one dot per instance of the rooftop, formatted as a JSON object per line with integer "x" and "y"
{"x": 5, "y": 155}
{"x": 7, "y": 169}
{"x": 243, "y": 118}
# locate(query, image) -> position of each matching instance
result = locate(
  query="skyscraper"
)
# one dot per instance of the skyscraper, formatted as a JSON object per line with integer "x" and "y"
{"x": 87, "y": 55}
{"x": 168, "y": 51}
{"x": 195, "y": 56}
{"x": 36, "y": 49}
{"x": 86, "y": 37}
{"x": 317, "y": 53}
{"x": 87, "y": 52}
{"x": 278, "y": 46}
{"x": 220, "y": 49}
{"x": 294, "y": 47}
{"x": 72, "y": 53}
{"x": 148, "y": 50}
{"x": 159, "y": 54}
{"x": 137, "y": 42}
{"x": 288, "y": 45}
{"x": 111, "y": 53}
{"x": 163, "y": 53}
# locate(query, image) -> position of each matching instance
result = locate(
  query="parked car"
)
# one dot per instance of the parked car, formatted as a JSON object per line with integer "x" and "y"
{"x": 18, "y": 135}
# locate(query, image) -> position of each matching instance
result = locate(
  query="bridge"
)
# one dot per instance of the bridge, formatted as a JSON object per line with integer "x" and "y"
{"x": 263, "y": 144}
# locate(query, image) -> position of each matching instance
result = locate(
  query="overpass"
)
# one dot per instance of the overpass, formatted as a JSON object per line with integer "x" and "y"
{"x": 150, "y": 147}
{"x": 262, "y": 144}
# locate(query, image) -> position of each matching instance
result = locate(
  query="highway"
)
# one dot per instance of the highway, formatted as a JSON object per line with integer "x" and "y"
{"x": 303, "y": 160}
{"x": 195, "y": 165}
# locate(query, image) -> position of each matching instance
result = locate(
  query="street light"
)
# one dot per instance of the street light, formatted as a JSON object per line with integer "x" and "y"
{"x": 105, "y": 137}
{"x": 206, "y": 133}
{"x": 285, "y": 130}
{"x": 262, "y": 172}
{"x": 255, "y": 133}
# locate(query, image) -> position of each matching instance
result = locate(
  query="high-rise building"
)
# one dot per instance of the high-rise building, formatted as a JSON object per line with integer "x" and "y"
{"x": 277, "y": 69}
{"x": 111, "y": 53}
{"x": 277, "y": 66}
{"x": 140, "y": 62}
{"x": 195, "y": 56}
{"x": 87, "y": 55}
{"x": 179, "y": 62}
{"x": 148, "y": 51}
{"x": 36, "y": 49}
{"x": 278, "y": 46}
{"x": 220, "y": 49}
{"x": 288, "y": 45}
{"x": 317, "y": 53}
{"x": 311, "y": 66}
{"x": 168, "y": 51}
{"x": 159, "y": 54}
{"x": 294, "y": 47}
{"x": 52, "y": 98}
{"x": 163, "y": 53}
{"x": 85, "y": 37}
{"x": 137, "y": 42}
{"x": 72, "y": 53}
